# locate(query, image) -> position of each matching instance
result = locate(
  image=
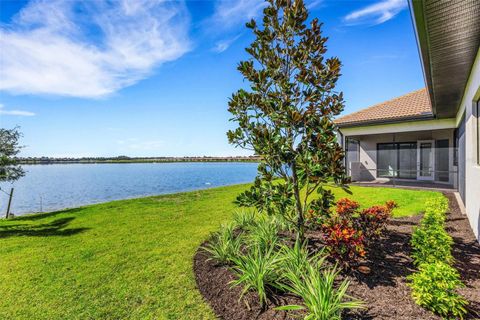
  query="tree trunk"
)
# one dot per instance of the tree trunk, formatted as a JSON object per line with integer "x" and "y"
{"x": 298, "y": 204}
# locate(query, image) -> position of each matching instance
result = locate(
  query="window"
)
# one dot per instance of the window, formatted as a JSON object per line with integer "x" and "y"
{"x": 397, "y": 160}
{"x": 455, "y": 147}
{"x": 441, "y": 160}
{"x": 352, "y": 152}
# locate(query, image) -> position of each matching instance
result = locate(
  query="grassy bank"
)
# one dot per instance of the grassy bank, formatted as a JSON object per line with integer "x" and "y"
{"x": 125, "y": 259}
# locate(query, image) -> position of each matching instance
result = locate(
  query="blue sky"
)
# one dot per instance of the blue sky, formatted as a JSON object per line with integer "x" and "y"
{"x": 152, "y": 78}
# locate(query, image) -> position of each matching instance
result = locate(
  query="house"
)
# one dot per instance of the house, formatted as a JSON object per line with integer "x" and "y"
{"x": 430, "y": 136}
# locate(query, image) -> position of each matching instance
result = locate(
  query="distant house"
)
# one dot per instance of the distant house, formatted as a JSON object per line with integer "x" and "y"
{"x": 432, "y": 135}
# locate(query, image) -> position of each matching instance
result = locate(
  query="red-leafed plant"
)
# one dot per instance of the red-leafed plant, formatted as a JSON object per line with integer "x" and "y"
{"x": 347, "y": 207}
{"x": 345, "y": 243}
{"x": 348, "y": 231}
{"x": 373, "y": 221}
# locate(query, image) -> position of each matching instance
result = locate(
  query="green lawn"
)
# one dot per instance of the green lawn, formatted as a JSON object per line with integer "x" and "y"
{"x": 125, "y": 259}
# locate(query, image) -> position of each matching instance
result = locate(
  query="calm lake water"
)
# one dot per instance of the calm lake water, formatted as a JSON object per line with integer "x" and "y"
{"x": 53, "y": 187}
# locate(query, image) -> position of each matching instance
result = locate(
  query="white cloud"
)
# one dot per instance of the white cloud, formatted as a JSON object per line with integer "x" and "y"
{"x": 15, "y": 112}
{"x": 313, "y": 4}
{"x": 224, "y": 44}
{"x": 229, "y": 14}
{"x": 377, "y": 13}
{"x": 90, "y": 48}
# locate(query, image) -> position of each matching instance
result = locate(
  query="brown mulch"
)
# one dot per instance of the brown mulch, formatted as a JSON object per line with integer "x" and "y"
{"x": 384, "y": 290}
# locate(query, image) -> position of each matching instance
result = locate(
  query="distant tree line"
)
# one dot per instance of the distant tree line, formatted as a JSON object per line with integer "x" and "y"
{"x": 125, "y": 159}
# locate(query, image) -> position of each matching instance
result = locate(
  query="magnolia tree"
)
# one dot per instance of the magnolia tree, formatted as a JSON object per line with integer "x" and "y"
{"x": 286, "y": 117}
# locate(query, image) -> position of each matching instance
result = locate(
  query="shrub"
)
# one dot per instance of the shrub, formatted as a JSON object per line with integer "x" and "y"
{"x": 433, "y": 288}
{"x": 431, "y": 243}
{"x": 373, "y": 221}
{"x": 257, "y": 270}
{"x": 347, "y": 232}
{"x": 224, "y": 245}
{"x": 434, "y": 285}
{"x": 316, "y": 286}
{"x": 435, "y": 212}
{"x": 343, "y": 242}
{"x": 346, "y": 207}
{"x": 439, "y": 204}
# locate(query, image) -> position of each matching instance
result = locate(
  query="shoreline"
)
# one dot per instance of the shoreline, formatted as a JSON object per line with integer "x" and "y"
{"x": 145, "y": 196}
{"x": 136, "y": 160}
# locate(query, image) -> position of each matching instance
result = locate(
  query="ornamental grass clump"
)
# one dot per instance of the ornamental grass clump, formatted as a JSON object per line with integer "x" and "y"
{"x": 297, "y": 258}
{"x": 244, "y": 218}
{"x": 315, "y": 283}
{"x": 224, "y": 245}
{"x": 263, "y": 235}
{"x": 257, "y": 271}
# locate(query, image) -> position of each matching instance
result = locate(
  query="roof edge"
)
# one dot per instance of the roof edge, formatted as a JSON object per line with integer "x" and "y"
{"x": 385, "y": 121}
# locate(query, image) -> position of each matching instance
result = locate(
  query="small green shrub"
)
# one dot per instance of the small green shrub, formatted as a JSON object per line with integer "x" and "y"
{"x": 433, "y": 288}
{"x": 439, "y": 204}
{"x": 434, "y": 285}
{"x": 431, "y": 243}
{"x": 245, "y": 218}
{"x": 435, "y": 212}
{"x": 257, "y": 271}
{"x": 224, "y": 246}
{"x": 316, "y": 286}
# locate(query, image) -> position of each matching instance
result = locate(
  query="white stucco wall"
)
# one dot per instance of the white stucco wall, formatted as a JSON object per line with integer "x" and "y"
{"x": 472, "y": 168}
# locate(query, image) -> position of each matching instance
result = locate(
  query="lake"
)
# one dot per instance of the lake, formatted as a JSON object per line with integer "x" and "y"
{"x": 52, "y": 187}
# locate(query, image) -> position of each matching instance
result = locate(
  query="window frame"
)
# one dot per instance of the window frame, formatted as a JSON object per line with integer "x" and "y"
{"x": 396, "y": 150}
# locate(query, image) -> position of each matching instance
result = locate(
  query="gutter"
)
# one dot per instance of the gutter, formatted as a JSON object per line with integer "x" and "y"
{"x": 421, "y": 35}
{"x": 383, "y": 121}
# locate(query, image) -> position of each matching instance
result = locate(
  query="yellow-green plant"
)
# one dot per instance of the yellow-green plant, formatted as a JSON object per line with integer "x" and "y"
{"x": 434, "y": 287}
{"x": 431, "y": 244}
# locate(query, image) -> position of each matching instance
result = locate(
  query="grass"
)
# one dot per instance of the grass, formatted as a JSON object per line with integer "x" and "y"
{"x": 410, "y": 202}
{"x": 126, "y": 259}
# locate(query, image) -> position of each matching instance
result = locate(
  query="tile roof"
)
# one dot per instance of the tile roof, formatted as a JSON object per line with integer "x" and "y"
{"x": 413, "y": 105}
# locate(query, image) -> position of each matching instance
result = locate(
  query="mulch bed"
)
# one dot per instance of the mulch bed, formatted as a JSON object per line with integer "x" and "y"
{"x": 384, "y": 290}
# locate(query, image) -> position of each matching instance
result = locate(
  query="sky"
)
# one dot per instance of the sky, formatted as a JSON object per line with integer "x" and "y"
{"x": 153, "y": 78}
